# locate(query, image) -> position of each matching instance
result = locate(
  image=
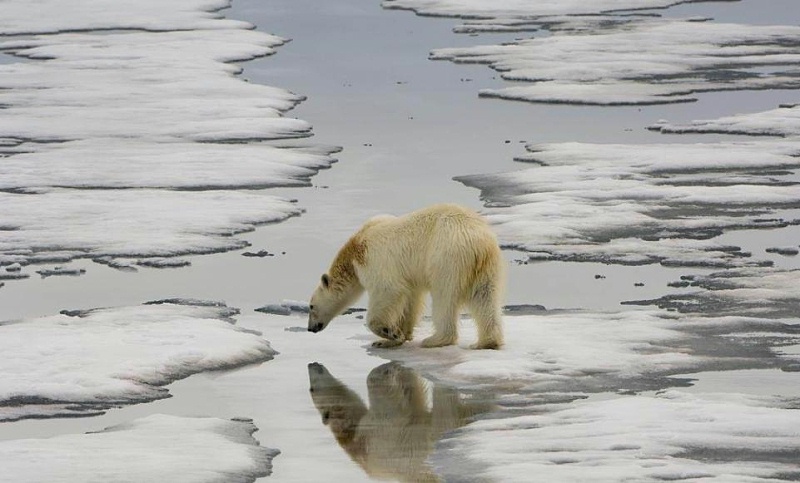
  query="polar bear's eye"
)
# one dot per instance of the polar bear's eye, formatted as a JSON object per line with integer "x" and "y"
{"x": 310, "y": 307}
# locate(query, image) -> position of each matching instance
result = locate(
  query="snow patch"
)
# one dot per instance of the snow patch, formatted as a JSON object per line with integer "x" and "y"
{"x": 88, "y": 360}
{"x": 154, "y": 448}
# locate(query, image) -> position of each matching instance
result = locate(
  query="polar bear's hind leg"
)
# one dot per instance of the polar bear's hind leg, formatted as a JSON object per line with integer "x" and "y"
{"x": 485, "y": 306}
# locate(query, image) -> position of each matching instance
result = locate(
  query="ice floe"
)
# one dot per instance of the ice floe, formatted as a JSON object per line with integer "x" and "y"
{"x": 132, "y": 223}
{"x": 664, "y": 437}
{"x": 154, "y": 448}
{"x": 610, "y": 53}
{"x": 652, "y": 62}
{"x": 639, "y": 204}
{"x": 126, "y": 119}
{"x": 523, "y": 8}
{"x": 126, "y": 163}
{"x": 760, "y": 292}
{"x": 88, "y": 360}
{"x": 54, "y": 16}
{"x": 783, "y": 121}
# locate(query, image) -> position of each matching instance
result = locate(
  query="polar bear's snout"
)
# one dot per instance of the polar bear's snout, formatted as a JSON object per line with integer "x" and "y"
{"x": 315, "y": 323}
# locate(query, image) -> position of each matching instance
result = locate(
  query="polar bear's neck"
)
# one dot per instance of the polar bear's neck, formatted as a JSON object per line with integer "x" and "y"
{"x": 343, "y": 271}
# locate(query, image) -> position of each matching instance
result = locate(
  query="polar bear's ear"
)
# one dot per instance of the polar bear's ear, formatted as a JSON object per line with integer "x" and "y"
{"x": 326, "y": 281}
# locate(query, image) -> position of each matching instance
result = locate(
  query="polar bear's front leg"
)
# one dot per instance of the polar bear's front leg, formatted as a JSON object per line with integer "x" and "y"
{"x": 412, "y": 313}
{"x": 383, "y": 317}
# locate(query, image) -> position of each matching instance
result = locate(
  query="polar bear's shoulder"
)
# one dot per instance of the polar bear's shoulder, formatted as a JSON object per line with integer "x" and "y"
{"x": 378, "y": 220}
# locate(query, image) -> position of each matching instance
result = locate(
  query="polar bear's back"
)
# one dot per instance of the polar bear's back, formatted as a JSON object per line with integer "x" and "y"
{"x": 444, "y": 240}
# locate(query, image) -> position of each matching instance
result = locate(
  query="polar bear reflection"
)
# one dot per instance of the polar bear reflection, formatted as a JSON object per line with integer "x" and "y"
{"x": 393, "y": 437}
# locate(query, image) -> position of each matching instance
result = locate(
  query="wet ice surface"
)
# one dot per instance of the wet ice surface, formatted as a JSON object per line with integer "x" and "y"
{"x": 392, "y": 435}
{"x": 155, "y": 448}
{"x": 85, "y": 361}
{"x": 582, "y": 352}
{"x": 406, "y": 116}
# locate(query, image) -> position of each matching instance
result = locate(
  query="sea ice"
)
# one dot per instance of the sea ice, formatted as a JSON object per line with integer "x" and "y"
{"x": 157, "y": 122}
{"x": 582, "y": 352}
{"x": 154, "y": 448}
{"x": 604, "y": 53}
{"x": 554, "y": 360}
{"x": 783, "y": 121}
{"x": 753, "y": 291}
{"x": 651, "y": 62}
{"x": 639, "y": 204}
{"x": 668, "y": 436}
{"x": 94, "y": 359}
{"x": 524, "y": 8}
{"x": 127, "y": 163}
{"x": 55, "y": 16}
{"x": 133, "y": 223}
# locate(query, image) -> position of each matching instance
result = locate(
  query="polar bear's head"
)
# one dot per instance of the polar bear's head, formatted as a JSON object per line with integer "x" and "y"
{"x": 331, "y": 297}
{"x": 323, "y": 305}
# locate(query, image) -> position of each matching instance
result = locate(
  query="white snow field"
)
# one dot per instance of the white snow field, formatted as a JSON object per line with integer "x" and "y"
{"x": 81, "y": 362}
{"x": 639, "y": 204}
{"x": 664, "y": 437}
{"x": 128, "y": 130}
{"x": 154, "y": 448}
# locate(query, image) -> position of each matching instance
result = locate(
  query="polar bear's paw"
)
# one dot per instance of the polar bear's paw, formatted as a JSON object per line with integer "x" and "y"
{"x": 386, "y": 343}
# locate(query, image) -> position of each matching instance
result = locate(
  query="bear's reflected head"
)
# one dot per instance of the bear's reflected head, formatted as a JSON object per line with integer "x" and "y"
{"x": 324, "y": 305}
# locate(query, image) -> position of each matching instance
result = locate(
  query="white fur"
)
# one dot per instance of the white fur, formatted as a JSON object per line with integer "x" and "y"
{"x": 445, "y": 250}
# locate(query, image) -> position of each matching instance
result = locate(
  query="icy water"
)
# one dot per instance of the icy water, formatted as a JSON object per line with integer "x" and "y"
{"x": 407, "y": 127}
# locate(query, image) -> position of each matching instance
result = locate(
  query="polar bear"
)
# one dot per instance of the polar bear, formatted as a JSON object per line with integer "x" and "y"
{"x": 446, "y": 250}
{"x": 393, "y": 438}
